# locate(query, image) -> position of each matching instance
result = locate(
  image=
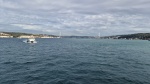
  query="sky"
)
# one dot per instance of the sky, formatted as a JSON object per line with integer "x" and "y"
{"x": 75, "y": 17}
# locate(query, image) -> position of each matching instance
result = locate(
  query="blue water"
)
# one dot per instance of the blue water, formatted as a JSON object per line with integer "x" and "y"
{"x": 74, "y": 61}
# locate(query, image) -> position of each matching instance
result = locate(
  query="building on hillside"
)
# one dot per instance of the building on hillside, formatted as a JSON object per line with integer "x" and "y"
{"x": 4, "y": 35}
{"x": 47, "y": 37}
{"x": 29, "y": 36}
{"x": 24, "y": 36}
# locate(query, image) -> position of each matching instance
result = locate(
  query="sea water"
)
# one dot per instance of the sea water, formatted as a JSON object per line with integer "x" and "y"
{"x": 75, "y": 61}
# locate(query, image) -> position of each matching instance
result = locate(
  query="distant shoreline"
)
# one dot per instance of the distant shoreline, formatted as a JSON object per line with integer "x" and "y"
{"x": 25, "y": 35}
{"x": 137, "y": 36}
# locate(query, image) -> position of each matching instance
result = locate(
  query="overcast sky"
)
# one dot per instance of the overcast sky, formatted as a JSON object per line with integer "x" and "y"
{"x": 75, "y": 17}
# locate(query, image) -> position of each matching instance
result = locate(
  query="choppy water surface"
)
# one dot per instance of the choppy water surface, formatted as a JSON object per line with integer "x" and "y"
{"x": 74, "y": 61}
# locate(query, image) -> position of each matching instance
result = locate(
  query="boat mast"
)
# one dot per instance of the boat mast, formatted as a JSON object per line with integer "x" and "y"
{"x": 99, "y": 35}
{"x": 59, "y": 34}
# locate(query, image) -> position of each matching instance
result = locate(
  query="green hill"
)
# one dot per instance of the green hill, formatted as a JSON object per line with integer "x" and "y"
{"x": 142, "y": 36}
{"x": 17, "y": 34}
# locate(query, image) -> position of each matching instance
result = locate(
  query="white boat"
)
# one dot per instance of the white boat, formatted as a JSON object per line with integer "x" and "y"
{"x": 30, "y": 40}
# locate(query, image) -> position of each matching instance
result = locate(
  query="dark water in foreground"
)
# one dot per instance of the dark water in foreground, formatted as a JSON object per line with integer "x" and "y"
{"x": 74, "y": 61}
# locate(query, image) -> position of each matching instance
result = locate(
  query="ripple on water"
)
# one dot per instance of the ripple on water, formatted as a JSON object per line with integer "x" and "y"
{"x": 74, "y": 61}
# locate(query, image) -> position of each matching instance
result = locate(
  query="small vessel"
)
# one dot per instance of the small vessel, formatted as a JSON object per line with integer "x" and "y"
{"x": 30, "y": 40}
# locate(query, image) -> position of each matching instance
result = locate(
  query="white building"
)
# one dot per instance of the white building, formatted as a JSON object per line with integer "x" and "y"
{"x": 4, "y": 35}
{"x": 26, "y": 36}
{"x": 47, "y": 37}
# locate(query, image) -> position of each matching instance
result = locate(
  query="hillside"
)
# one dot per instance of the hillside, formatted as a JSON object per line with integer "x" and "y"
{"x": 17, "y": 34}
{"x": 142, "y": 36}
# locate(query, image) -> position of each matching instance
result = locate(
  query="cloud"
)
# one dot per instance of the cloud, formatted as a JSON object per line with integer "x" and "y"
{"x": 28, "y": 26}
{"x": 72, "y": 17}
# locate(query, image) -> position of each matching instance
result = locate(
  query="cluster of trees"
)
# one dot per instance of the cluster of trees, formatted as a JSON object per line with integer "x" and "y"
{"x": 17, "y": 34}
{"x": 143, "y": 36}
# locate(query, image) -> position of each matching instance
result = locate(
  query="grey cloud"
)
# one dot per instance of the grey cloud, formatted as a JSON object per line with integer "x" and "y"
{"x": 74, "y": 17}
